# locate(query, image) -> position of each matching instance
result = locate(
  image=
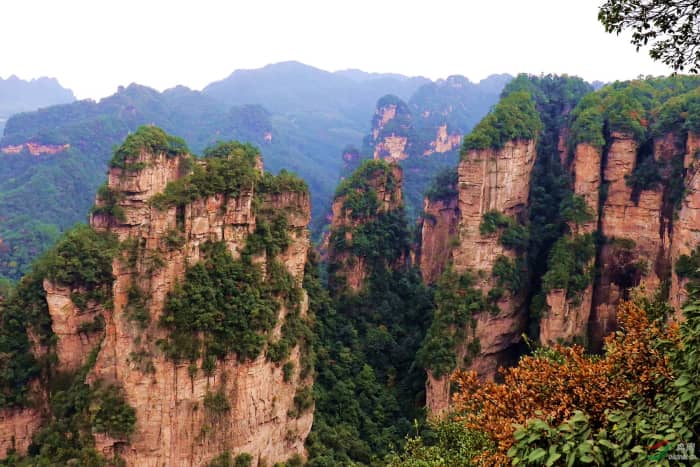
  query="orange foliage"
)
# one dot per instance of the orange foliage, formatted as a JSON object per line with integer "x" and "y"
{"x": 552, "y": 384}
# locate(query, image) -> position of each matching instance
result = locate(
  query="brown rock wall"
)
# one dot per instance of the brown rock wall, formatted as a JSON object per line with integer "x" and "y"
{"x": 488, "y": 181}
{"x": 438, "y": 232}
{"x": 173, "y": 425}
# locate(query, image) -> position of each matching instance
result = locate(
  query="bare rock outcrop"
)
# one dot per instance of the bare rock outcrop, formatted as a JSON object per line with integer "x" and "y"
{"x": 173, "y": 425}
{"x": 489, "y": 180}
{"x": 438, "y": 233}
{"x": 637, "y": 237}
{"x": 564, "y": 319}
{"x": 686, "y": 227}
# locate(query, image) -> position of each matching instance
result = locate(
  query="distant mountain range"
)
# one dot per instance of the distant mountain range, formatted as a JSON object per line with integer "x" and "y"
{"x": 17, "y": 95}
{"x": 53, "y": 160}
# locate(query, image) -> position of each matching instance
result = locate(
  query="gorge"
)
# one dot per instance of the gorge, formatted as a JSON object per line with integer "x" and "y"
{"x": 193, "y": 323}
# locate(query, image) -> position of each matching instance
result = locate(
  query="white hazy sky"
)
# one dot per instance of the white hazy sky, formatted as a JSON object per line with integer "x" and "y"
{"x": 93, "y": 46}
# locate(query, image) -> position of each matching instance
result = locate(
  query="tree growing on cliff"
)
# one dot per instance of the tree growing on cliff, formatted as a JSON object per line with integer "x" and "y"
{"x": 671, "y": 27}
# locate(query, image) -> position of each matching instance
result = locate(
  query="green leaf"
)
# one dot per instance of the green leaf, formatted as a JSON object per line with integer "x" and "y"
{"x": 536, "y": 455}
{"x": 607, "y": 444}
{"x": 682, "y": 381}
{"x": 553, "y": 457}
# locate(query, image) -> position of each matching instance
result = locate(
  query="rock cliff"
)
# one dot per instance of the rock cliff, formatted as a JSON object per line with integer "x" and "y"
{"x": 371, "y": 195}
{"x": 439, "y": 226}
{"x": 686, "y": 227}
{"x": 391, "y": 129}
{"x": 173, "y": 423}
{"x": 189, "y": 408}
{"x": 566, "y": 320}
{"x": 493, "y": 181}
{"x": 482, "y": 296}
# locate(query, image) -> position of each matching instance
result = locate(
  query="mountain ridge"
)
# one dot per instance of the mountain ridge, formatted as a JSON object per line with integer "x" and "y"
{"x": 303, "y": 138}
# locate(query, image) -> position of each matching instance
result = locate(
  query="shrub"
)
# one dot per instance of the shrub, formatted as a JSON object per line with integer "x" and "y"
{"x": 150, "y": 139}
{"x": 510, "y": 273}
{"x": 224, "y": 306}
{"x": 446, "y": 443}
{"x": 110, "y": 412}
{"x": 288, "y": 371}
{"x": 514, "y": 117}
{"x": 283, "y": 182}
{"x": 492, "y": 221}
{"x": 81, "y": 259}
{"x": 227, "y": 176}
{"x": 553, "y": 383}
{"x": 370, "y": 169}
{"x": 303, "y": 400}
{"x": 109, "y": 203}
{"x": 444, "y": 186}
{"x": 512, "y": 235}
{"x": 216, "y": 403}
{"x": 570, "y": 265}
{"x": 457, "y": 301}
{"x": 243, "y": 460}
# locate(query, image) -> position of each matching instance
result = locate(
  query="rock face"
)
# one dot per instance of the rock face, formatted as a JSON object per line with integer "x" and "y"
{"x": 438, "y": 232}
{"x": 391, "y": 148}
{"x": 444, "y": 142}
{"x": 565, "y": 320}
{"x": 173, "y": 428}
{"x": 686, "y": 226}
{"x": 391, "y": 128}
{"x": 636, "y": 232}
{"x": 399, "y": 132}
{"x": 35, "y": 149}
{"x": 69, "y": 322}
{"x": 17, "y": 427}
{"x": 386, "y": 185}
{"x": 638, "y": 179}
{"x": 489, "y": 180}
{"x": 492, "y": 181}
{"x": 644, "y": 232}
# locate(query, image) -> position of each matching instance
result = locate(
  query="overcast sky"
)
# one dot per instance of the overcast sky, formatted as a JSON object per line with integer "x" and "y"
{"x": 93, "y": 46}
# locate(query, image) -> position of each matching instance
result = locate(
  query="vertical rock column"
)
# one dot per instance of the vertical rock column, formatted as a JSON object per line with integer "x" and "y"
{"x": 492, "y": 181}
{"x": 565, "y": 320}
{"x": 173, "y": 426}
{"x": 686, "y": 227}
{"x": 438, "y": 232}
{"x": 636, "y": 238}
{"x": 387, "y": 186}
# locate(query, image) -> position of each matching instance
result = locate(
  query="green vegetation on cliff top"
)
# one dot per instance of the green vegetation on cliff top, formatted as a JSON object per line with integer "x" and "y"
{"x": 514, "y": 117}
{"x": 641, "y": 108}
{"x": 149, "y": 140}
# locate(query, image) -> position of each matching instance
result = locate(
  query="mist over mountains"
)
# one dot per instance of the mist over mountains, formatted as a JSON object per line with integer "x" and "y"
{"x": 300, "y": 116}
{"x": 17, "y": 95}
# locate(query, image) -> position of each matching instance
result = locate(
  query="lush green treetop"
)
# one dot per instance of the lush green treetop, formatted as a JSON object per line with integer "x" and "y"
{"x": 229, "y": 168}
{"x": 566, "y": 90}
{"x": 228, "y": 149}
{"x": 444, "y": 185}
{"x": 635, "y": 107}
{"x": 514, "y": 117}
{"x": 359, "y": 180}
{"x": 150, "y": 139}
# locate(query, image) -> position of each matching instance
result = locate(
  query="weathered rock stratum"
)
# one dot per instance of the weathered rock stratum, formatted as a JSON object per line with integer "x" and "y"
{"x": 188, "y": 411}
